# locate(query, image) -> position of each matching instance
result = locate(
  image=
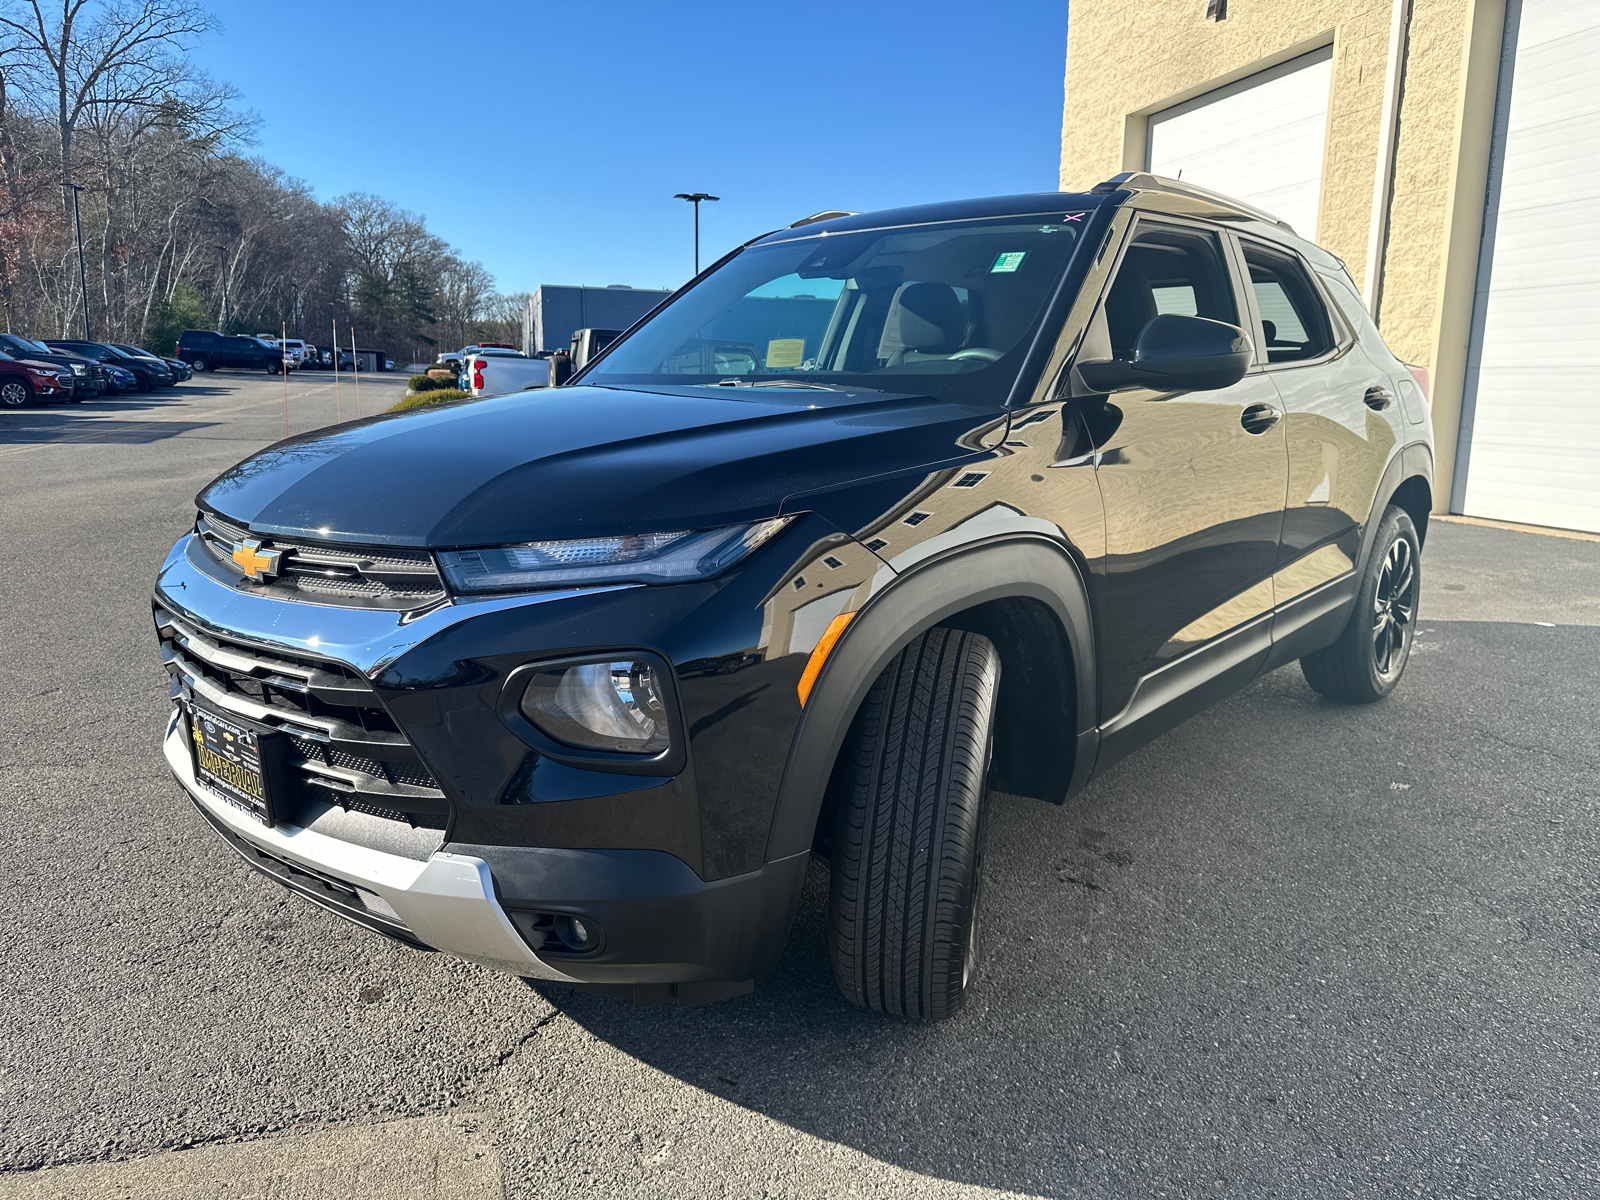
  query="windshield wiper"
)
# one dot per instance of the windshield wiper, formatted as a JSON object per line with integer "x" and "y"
{"x": 795, "y": 383}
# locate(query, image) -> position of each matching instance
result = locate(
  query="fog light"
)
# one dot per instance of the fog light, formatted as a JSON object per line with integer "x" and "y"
{"x": 557, "y": 933}
{"x": 574, "y": 933}
{"x": 615, "y": 706}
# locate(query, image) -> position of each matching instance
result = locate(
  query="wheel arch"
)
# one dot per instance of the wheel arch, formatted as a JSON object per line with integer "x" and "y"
{"x": 1027, "y": 595}
{"x": 1407, "y": 482}
{"x": 1416, "y": 497}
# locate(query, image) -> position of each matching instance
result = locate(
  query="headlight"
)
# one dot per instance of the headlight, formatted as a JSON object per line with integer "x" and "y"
{"x": 616, "y": 706}
{"x": 634, "y": 558}
{"x": 79, "y": 369}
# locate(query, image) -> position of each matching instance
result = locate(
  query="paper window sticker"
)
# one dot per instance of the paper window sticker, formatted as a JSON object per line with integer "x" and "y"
{"x": 786, "y": 352}
{"x": 1008, "y": 261}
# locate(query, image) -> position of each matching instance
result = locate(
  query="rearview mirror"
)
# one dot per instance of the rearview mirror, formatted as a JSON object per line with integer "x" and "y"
{"x": 1175, "y": 354}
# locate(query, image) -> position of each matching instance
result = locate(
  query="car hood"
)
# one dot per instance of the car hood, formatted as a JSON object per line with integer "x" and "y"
{"x": 580, "y": 461}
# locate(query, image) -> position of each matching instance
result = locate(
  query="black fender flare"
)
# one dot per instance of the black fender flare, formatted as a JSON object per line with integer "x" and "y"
{"x": 1414, "y": 460}
{"x": 1023, "y": 567}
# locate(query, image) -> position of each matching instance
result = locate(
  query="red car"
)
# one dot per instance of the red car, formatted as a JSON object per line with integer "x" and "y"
{"x": 21, "y": 380}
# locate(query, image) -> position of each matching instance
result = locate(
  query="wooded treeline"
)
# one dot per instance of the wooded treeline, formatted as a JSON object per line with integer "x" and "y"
{"x": 181, "y": 227}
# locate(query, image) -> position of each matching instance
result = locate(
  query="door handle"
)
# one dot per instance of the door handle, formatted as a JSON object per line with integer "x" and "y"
{"x": 1259, "y": 418}
{"x": 1377, "y": 398}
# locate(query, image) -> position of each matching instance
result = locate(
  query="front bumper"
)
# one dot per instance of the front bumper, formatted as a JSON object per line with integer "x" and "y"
{"x": 445, "y": 903}
{"x": 664, "y": 927}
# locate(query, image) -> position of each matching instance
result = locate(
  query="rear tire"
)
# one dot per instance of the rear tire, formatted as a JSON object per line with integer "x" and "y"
{"x": 1366, "y": 663}
{"x": 909, "y": 799}
{"x": 197, "y": 365}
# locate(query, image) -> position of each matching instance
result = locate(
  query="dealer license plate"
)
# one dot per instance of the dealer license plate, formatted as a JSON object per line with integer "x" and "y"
{"x": 228, "y": 759}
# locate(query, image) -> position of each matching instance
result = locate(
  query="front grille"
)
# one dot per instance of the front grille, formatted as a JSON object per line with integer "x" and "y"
{"x": 325, "y": 573}
{"x": 346, "y": 748}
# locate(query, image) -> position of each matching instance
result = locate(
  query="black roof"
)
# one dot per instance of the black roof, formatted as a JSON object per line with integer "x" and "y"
{"x": 1027, "y": 204}
{"x": 1152, "y": 192}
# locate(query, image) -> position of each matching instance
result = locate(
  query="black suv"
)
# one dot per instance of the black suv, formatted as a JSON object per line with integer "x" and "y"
{"x": 206, "y": 350}
{"x": 878, "y": 512}
{"x": 149, "y": 372}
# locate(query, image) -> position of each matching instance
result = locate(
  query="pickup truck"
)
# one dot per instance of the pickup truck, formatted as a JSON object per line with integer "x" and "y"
{"x": 494, "y": 372}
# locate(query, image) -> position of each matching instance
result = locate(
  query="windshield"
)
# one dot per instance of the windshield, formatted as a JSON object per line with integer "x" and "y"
{"x": 950, "y": 305}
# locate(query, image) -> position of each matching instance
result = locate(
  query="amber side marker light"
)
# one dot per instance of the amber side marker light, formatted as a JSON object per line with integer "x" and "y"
{"x": 830, "y": 636}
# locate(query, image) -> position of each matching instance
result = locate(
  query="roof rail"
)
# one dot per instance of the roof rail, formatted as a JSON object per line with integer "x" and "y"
{"x": 1143, "y": 181}
{"x": 826, "y": 214}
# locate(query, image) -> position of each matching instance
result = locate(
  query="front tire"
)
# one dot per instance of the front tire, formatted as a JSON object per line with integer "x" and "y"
{"x": 909, "y": 799}
{"x": 16, "y": 393}
{"x": 1366, "y": 663}
{"x": 141, "y": 382}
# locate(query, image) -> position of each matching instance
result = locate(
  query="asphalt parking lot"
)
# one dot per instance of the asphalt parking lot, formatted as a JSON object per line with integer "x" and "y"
{"x": 1290, "y": 949}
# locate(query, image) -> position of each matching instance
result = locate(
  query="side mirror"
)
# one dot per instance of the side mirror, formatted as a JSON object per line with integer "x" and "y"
{"x": 1175, "y": 354}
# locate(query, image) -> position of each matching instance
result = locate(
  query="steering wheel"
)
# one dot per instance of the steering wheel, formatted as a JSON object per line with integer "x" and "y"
{"x": 976, "y": 354}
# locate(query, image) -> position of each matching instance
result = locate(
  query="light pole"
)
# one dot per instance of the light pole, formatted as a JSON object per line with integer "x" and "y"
{"x": 695, "y": 198}
{"x": 222, "y": 282}
{"x": 83, "y": 276}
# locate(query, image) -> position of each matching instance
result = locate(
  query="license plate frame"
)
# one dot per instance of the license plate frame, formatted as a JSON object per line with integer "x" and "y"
{"x": 237, "y": 761}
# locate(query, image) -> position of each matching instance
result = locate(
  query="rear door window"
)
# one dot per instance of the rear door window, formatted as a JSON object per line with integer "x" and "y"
{"x": 1294, "y": 322}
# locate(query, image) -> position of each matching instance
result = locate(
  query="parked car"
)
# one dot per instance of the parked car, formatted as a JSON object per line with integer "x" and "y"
{"x": 180, "y": 369}
{"x": 150, "y": 371}
{"x": 459, "y": 357}
{"x": 88, "y": 377}
{"x": 493, "y": 372}
{"x": 880, "y": 511}
{"x": 207, "y": 350}
{"x": 291, "y": 359}
{"x": 24, "y": 382}
{"x": 138, "y": 354}
{"x": 120, "y": 379}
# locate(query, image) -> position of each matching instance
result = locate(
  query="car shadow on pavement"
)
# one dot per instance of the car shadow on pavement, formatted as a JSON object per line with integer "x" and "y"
{"x": 958, "y": 1100}
{"x": 1212, "y": 964}
{"x": 41, "y": 426}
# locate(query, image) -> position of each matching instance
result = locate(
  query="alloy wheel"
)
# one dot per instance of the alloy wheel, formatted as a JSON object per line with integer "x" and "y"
{"x": 1394, "y": 608}
{"x": 14, "y": 394}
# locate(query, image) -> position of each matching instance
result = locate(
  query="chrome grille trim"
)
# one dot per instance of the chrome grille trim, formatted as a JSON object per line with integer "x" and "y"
{"x": 330, "y": 573}
{"x": 346, "y": 749}
{"x": 284, "y": 673}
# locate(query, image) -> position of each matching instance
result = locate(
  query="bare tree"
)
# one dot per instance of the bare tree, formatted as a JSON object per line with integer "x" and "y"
{"x": 125, "y": 48}
{"x": 186, "y": 229}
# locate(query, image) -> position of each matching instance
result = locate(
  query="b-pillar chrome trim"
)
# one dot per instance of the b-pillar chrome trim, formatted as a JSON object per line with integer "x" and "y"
{"x": 447, "y": 902}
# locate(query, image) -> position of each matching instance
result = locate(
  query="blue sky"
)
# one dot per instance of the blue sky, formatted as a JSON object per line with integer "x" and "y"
{"x": 546, "y": 139}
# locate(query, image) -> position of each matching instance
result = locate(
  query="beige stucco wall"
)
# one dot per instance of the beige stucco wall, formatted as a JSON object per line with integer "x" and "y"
{"x": 1131, "y": 58}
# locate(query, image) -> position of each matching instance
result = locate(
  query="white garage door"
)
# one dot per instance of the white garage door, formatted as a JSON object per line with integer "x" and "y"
{"x": 1259, "y": 140}
{"x": 1531, "y": 412}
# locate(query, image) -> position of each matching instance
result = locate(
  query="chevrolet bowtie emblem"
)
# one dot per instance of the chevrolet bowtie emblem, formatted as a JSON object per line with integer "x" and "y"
{"x": 261, "y": 565}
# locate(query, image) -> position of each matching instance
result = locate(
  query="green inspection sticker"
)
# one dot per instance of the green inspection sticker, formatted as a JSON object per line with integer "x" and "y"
{"x": 1008, "y": 261}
